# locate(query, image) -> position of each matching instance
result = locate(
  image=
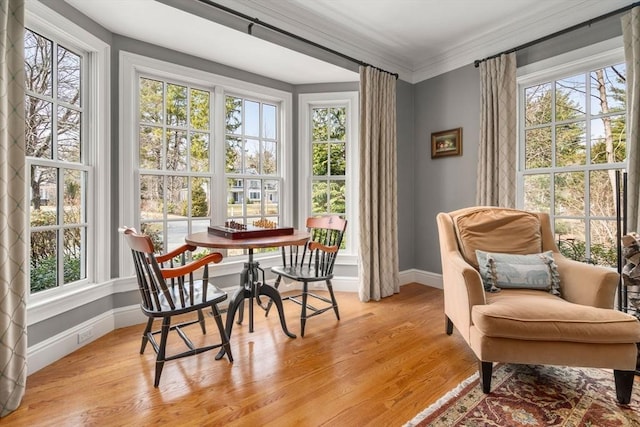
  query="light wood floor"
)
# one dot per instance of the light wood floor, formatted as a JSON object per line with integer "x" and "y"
{"x": 380, "y": 365}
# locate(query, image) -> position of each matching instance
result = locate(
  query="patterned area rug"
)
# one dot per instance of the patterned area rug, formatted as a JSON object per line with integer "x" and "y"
{"x": 531, "y": 395}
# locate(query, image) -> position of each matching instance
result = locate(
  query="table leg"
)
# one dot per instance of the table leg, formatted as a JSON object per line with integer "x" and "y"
{"x": 236, "y": 301}
{"x": 273, "y": 293}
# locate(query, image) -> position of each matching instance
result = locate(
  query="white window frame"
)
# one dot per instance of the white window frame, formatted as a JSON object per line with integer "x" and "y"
{"x": 350, "y": 100}
{"x": 581, "y": 60}
{"x": 96, "y": 132}
{"x": 131, "y": 66}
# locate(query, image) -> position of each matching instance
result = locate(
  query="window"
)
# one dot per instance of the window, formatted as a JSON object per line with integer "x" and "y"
{"x": 57, "y": 169}
{"x": 573, "y": 139}
{"x": 252, "y": 144}
{"x": 328, "y": 159}
{"x": 174, "y": 161}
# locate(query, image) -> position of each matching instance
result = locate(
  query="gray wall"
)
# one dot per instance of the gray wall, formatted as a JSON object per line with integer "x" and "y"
{"x": 444, "y": 102}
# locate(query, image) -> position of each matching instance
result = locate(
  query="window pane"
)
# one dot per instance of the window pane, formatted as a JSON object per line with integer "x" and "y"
{"x": 38, "y": 61}
{"x": 319, "y": 197}
{"x": 200, "y": 109}
{"x": 234, "y": 155}
{"x": 337, "y": 117}
{"x": 608, "y": 88}
{"x": 538, "y": 148}
{"x": 320, "y": 123}
{"x": 200, "y": 152}
{"x": 176, "y": 150}
{"x": 252, "y": 118}
{"x": 176, "y": 105}
{"x": 155, "y": 231}
{"x": 603, "y": 243}
{"x": 150, "y": 147}
{"x": 320, "y": 159}
{"x": 68, "y": 135}
{"x": 151, "y": 95}
{"x": 271, "y": 197}
{"x": 269, "y": 118}
{"x": 177, "y": 196}
{"x": 338, "y": 159}
{"x": 602, "y": 190}
{"x": 68, "y": 76}
{"x": 252, "y": 156}
{"x": 569, "y": 193}
{"x": 571, "y": 98}
{"x": 570, "y": 236}
{"x": 200, "y": 190}
{"x": 233, "y": 120}
{"x": 537, "y": 193}
{"x": 75, "y": 260}
{"x": 571, "y": 144}
{"x": 608, "y": 139}
{"x": 74, "y": 209}
{"x": 337, "y": 197}
{"x": 270, "y": 158}
{"x": 44, "y": 260}
{"x": 151, "y": 197}
{"x": 44, "y": 195}
{"x": 537, "y": 104}
{"x": 235, "y": 197}
{"x": 38, "y": 128}
{"x": 176, "y": 230}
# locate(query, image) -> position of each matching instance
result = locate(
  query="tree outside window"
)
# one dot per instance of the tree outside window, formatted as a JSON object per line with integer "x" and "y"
{"x": 574, "y": 131}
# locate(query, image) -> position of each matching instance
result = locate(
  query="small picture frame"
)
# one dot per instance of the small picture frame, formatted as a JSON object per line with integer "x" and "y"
{"x": 446, "y": 143}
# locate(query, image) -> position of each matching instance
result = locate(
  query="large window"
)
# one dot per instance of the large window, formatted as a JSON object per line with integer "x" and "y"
{"x": 573, "y": 139}
{"x": 329, "y": 159}
{"x": 174, "y": 160}
{"x": 57, "y": 163}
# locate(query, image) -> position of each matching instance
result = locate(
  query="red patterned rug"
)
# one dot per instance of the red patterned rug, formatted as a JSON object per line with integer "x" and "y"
{"x": 531, "y": 395}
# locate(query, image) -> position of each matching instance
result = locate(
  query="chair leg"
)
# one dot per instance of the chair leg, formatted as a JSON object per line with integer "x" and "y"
{"x": 333, "y": 299}
{"x": 448, "y": 325}
{"x": 624, "y": 385}
{"x": 303, "y": 312}
{"x": 164, "y": 333}
{"x": 201, "y": 321}
{"x": 223, "y": 333}
{"x": 485, "y": 369}
{"x": 276, "y": 284}
{"x": 145, "y": 338}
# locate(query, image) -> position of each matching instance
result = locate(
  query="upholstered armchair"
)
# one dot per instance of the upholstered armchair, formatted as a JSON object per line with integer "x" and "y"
{"x": 517, "y": 324}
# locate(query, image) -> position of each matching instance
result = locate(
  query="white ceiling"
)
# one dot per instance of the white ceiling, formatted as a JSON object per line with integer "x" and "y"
{"x": 418, "y": 39}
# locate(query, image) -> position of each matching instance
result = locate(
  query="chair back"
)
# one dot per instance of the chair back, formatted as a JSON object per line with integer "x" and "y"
{"x": 319, "y": 254}
{"x": 157, "y": 294}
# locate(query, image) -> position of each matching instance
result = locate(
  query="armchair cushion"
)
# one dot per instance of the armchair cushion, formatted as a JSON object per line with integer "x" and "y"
{"x": 497, "y": 230}
{"x": 504, "y": 271}
{"x": 532, "y": 315}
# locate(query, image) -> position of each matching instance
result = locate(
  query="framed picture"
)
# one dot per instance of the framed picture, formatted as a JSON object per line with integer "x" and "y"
{"x": 446, "y": 143}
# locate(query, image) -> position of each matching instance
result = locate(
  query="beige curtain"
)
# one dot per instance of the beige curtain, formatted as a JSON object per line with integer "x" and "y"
{"x": 631, "y": 36}
{"x": 13, "y": 281}
{"x": 378, "y": 202}
{"x": 496, "y": 184}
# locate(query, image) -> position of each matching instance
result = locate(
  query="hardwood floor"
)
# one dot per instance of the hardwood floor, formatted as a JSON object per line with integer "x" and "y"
{"x": 380, "y": 365}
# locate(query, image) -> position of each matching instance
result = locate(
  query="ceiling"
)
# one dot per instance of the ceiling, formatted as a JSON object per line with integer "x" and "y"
{"x": 417, "y": 39}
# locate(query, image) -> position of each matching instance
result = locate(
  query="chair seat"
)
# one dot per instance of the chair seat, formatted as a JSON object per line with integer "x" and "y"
{"x": 539, "y": 316}
{"x": 300, "y": 274}
{"x": 214, "y": 295}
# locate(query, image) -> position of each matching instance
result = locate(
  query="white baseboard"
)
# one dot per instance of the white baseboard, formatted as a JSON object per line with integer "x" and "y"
{"x": 66, "y": 342}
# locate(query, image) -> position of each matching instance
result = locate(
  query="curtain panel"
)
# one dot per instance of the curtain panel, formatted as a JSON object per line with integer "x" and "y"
{"x": 13, "y": 281}
{"x": 631, "y": 36}
{"x": 496, "y": 183}
{"x": 378, "y": 201}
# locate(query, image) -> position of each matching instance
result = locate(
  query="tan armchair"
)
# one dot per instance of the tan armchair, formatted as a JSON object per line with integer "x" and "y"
{"x": 526, "y": 326}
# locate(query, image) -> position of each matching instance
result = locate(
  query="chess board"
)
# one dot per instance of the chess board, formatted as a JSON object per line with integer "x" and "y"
{"x": 250, "y": 232}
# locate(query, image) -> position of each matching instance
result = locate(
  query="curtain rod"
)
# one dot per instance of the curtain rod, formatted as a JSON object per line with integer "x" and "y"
{"x": 256, "y": 21}
{"x": 477, "y": 62}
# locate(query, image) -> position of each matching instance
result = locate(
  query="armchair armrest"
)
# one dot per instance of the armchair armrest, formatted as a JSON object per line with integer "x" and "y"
{"x": 586, "y": 284}
{"x": 168, "y": 273}
{"x": 174, "y": 253}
